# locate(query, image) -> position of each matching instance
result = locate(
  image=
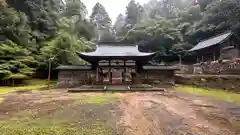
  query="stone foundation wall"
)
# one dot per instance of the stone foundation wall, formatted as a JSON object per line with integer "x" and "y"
{"x": 214, "y": 67}
{"x": 222, "y": 82}
{"x": 186, "y": 69}
{"x": 67, "y": 79}
{"x": 162, "y": 78}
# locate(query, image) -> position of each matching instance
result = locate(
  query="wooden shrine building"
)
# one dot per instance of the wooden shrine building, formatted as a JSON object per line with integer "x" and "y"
{"x": 223, "y": 46}
{"x": 114, "y": 63}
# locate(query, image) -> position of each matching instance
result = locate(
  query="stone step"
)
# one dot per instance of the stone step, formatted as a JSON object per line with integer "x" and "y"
{"x": 116, "y": 89}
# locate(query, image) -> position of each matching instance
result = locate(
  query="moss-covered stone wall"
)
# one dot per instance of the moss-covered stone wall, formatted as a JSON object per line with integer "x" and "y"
{"x": 223, "y": 82}
{"x": 72, "y": 78}
{"x": 159, "y": 77}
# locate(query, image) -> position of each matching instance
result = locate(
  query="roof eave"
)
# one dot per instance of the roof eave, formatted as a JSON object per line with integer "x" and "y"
{"x": 194, "y": 50}
{"x": 226, "y": 38}
{"x": 143, "y": 55}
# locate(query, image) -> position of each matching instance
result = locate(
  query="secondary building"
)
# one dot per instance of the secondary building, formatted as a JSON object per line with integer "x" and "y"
{"x": 223, "y": 46}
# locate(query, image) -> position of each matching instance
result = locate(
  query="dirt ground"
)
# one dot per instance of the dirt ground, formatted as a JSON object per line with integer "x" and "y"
{"x": 149, "y": 113}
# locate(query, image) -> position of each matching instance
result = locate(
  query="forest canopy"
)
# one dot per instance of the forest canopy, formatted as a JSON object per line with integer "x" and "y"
{"x": 33, "y": 32}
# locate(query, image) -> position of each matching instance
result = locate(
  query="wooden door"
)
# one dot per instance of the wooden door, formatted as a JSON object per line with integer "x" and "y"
{"x": 116, "y": 76}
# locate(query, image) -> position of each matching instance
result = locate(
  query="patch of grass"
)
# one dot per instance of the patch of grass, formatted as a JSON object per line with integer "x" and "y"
{"x": 41, "y": 127}
{"x": 217, "y": 94}
{"x": 33, "y": 85}
{"x": 101, "y": 99}
{"x": 96, "y": 98}
{"x": 25, "y": 123}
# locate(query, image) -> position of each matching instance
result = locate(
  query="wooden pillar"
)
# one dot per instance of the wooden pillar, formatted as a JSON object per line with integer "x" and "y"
{"x": 97, "y": 75}
{"x": 214, "y": 56}
{"x": 237, "y": 47}
{"x": 102, "y": 76}
{"x": 220, "y": 53}
{"x": 237, "y": 51}
{"x": 124, "y": 73}
{"x": 109, "y": 72}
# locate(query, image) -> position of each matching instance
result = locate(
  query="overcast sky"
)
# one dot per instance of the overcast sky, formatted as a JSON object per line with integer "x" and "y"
{"x": 113, "y": 7}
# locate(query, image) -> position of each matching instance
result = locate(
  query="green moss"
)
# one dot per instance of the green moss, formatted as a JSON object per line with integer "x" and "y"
{"x": 217, "y": 94}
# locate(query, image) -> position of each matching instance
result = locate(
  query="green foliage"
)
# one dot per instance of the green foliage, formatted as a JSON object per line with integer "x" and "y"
{"x": 204, "y": 3}
{"x": 191, "y": 15}
{"x": 119, "y": 25}
{"x": 171, "y": 27}
{"x": 16, "y": 62}
{"x": 13, "y": 26}
{"x": 70, "y": 41}
{"x": 100, "y": 15}
{"x": 64, "y": 49}
{"x": 154, "y": 26}
{"x": 75, "y": 8}
{"x": 160, "y": 37}
{"x": 42, "y": 16}
{"x": 124, "y": 24}
{"x": 165, "y": 8}
{"x": 134, "y": 13}
{"x": 218, "y": 17}
{"x": 33, "y": 31}
{"x": 103, "y": 23}
{"x": 73, "y": 20}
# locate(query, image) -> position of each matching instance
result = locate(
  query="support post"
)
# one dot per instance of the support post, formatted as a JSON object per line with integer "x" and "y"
{"x": 180, "y": 60}
{"x": 124, "y": 74}
{"x": 214, "y": 56}
{"x": 109, "y": 72}
{"x": 49, "y": 73}
{"x": 97, "y": 75}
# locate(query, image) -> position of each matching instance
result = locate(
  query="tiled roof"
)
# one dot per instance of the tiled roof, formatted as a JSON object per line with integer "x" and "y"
{"x": 211, "y": 41}
{"x": 109, "y": 50}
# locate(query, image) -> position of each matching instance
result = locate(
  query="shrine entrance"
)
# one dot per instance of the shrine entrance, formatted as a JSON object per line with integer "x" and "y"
{"x": 116, "y": 72}
{"x": 117, "y": 76}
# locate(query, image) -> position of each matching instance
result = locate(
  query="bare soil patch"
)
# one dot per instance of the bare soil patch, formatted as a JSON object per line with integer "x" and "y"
{"x": 150, "y": 113}
{"x": 87, "y": 113}
{"x": 172, "y": 113}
